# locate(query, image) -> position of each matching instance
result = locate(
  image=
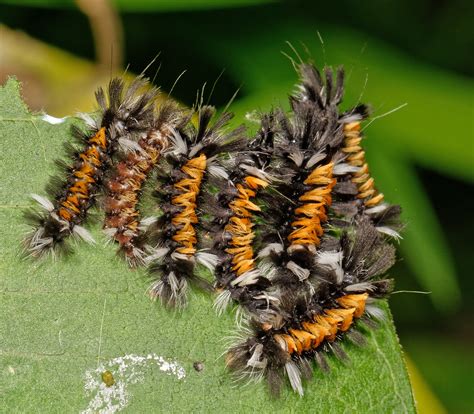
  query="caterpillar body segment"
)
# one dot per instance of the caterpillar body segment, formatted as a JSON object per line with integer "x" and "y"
{"x": 306, "y": 145}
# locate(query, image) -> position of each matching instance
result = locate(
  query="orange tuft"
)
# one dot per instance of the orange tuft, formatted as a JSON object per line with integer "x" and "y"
{"x": 189, "y": 188}
{"x": 325, "y": 326}
{"x": 240, "y": 225}
{"x": 309, "y": 216}
{"x": 356, "y": 157}
{"x": 99, "y": 138}
{"x": 302, "y": 339}
{"x": 254, "y": 182}
{"x": 64, "y": 214}
{"x": 357, "y": 301}
{"x": 346, "y": 315}
{"x": 318, "y": 331}
{"x": 289, "y": 342}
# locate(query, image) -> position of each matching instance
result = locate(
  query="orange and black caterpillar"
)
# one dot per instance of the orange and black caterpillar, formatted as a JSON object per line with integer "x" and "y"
{"x": 307, "y": 142}
{"x": 370, "y": 202}
{"x": 192, "y": 157}
{"x": 125, "y": 112}
{"x": 123, "y": 189}
{"x": 314, "y": 324}
{"x": 233, "y": 209}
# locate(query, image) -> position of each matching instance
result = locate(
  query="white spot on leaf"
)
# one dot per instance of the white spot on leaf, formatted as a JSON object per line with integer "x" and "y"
{"x": 52, "y": 120}
{"x": 126, "y": 370}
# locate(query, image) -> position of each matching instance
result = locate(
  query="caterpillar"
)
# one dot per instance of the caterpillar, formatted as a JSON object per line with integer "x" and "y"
{"x": 193, "y": 155}
{"x": 233, "y": 208}
{"x": 124, "y": 113}
{"x": 347, "y": 290}
{"x": 384, "y": 216}
{"x": 123, "y": 189}
{"x": 306, "y": 146}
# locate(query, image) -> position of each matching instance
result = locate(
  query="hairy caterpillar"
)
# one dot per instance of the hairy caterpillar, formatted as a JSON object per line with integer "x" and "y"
{"x": 306, "y": 148}
{"x": 122, "y": 221}
{"x": 192, "y": 156}
{"x": 237, "y": 275}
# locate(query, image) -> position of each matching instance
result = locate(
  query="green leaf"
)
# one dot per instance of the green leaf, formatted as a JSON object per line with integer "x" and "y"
{"x": 63, "y": 318}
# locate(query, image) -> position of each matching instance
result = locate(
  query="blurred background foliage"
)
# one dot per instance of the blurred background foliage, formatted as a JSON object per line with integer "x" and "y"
{"x": 417, "y": 53}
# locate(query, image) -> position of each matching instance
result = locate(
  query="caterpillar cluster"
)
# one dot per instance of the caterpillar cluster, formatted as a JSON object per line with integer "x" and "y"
{"x": 288, "y": 223}
{"x": 125, "y": 113}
